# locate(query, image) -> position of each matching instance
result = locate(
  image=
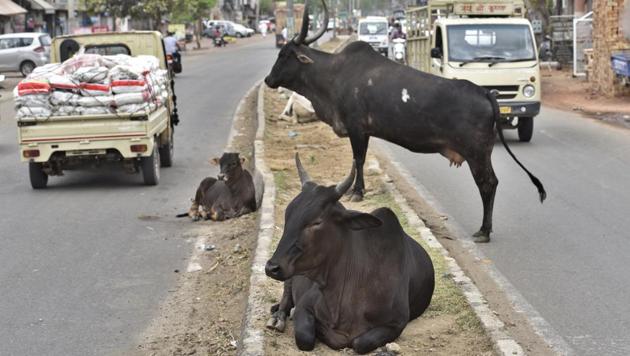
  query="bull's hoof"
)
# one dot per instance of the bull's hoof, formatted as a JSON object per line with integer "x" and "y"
{"x": 356, "y": 197}
{"x": 277, "y": 322}
{"x": 481, "y": 236}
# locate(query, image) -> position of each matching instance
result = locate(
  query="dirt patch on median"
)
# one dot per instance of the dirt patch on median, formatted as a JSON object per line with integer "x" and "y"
{"x": 448, "y": 327}
{"x": 203, "y": 315}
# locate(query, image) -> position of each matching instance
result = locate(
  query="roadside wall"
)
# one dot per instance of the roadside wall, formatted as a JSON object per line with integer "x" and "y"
{"x": 608, "y": 37}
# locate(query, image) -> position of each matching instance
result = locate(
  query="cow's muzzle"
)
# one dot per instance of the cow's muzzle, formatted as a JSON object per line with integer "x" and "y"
{"x": 270, "y": 83}
{"x": 221, "y": 176}
{"x": 274, "y": 271}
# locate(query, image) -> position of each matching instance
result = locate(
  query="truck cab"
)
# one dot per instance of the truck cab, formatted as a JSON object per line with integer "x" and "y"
{"x": 375, "y": 31}
{"x": 487, "y": 43}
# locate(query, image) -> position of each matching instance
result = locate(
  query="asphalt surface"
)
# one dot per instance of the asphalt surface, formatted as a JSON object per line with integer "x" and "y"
{"x": 86, "y": 262}
{"x": 569, "y": 256}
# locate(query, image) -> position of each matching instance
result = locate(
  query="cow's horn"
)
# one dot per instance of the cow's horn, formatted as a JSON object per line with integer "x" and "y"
{"x": 304, "y": 177}
{"x": 304, "y": 31}
{"x": 343, "y": 187}
{"x": 322, "y": 30}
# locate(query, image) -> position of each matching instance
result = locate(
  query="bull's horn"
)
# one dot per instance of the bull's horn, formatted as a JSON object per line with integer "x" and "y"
{"x": 322, "y": 30}
{"x": 343, "y": 187}
{"x": 304, "y": 31}
{"x": 304, "y": 177}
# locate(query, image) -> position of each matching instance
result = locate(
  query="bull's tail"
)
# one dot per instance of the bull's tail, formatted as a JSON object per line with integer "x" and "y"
{"x": 495, "y": 107}
{"x": 182, "y": 215}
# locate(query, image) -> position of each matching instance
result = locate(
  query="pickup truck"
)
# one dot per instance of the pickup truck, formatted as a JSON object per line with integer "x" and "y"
{"x": 138, "y": 142}
{"x": 488, "y": 42}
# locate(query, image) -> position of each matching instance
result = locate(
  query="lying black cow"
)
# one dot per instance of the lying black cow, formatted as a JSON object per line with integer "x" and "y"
{"x": 229, "y": 196}
{"x": 361, "y": 94}
{"x": 355, "y": 279}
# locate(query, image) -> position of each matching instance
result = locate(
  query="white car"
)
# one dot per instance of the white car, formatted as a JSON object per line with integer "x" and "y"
{"x": 242, "y": 31}
{"x": 24, "y": 51}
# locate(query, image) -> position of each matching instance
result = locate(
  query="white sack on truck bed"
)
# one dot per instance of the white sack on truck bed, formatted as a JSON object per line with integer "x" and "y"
{"x": 91, "y": 84}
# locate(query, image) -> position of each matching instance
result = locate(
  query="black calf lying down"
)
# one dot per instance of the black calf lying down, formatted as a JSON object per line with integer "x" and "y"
{"x": 355, "y": 279}
{"x": 230, "y": 196}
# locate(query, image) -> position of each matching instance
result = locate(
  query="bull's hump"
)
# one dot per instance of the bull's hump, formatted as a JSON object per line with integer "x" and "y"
{"x": 391, "y": 224}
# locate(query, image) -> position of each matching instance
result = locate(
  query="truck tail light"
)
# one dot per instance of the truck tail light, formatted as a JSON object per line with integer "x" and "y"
{"x": 138, "y": 148}
{"x": 30, "y": 153}
{"x": 39, "y": 49}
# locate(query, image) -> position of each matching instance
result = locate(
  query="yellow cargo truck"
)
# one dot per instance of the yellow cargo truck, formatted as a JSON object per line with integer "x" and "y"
{"x": 488, "y": 42}
{"x": 138, "y": 141}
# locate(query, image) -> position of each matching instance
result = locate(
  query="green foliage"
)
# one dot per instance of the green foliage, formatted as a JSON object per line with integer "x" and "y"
{"x": 154, "y": 9}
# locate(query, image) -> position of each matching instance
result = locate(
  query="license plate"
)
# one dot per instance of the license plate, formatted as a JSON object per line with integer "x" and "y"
{"x": 85, "y": 152}
{"x": 505, "y": 109}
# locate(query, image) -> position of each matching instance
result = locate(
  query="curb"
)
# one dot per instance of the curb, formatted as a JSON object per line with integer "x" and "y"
{"x": 252, "y": 339}
{"x": 503, "y": 343}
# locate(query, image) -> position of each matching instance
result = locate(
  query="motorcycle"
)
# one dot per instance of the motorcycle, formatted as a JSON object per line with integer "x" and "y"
{"x": 174, "y": 64}
{"x": 219, "y": 41}
{"x": 399, "y": 50}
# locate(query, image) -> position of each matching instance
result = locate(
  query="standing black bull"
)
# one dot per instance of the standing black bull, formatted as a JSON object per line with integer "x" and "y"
{"x": 355, "y": 279}
{"x": 360, "y": 94}
{"x": 229, "y": 196}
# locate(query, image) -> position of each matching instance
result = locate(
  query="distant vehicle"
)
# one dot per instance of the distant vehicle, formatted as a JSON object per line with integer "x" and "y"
{"x": 374, "y": 30}
{"x": 24, "y": 51}
{"x": 230, "y": 28}
{"x": 242, "y": 31}
{"x": 331, "y": 24}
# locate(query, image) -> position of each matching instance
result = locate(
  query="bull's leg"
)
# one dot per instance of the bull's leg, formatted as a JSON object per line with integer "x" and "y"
{"x": 487, "y": 182}
{"x": 205, "y": 184}
{"x": 374, "y": 338}
{"x": 359, "y": 144}
{"x": 280, "y": 311}
{"x": 304, "y": 322}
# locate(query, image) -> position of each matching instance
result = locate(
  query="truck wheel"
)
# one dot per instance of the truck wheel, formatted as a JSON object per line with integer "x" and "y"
{"x": 38, "y": 177}
{"x": 525, "y": 128}
{"x": 167, "y": 151}
{"x": 151, "y": 167}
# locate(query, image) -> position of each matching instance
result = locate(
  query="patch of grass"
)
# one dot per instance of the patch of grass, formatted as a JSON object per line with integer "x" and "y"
{"x": 280, "y": 179}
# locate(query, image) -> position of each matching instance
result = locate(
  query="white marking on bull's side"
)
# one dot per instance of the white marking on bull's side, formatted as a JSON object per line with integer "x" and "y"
{"x": 370, "y": 82}
{"x": 405, "y": 95}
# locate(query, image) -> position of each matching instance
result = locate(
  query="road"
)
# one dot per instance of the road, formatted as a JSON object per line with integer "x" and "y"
{"x": 86, "y": 262}
{"x": 569, "y": 256}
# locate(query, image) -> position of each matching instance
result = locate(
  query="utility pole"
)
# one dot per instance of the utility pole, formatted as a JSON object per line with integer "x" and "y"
{"x": 290, "y": 22}
{"x": 334, "y": 13}
{"x": 257, "y": 15}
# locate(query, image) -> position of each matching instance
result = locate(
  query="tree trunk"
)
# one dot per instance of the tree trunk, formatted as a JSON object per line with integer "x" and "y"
{"x": 198, "y": 27}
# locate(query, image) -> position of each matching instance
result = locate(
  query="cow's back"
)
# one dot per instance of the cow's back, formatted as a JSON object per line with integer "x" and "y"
{"x": 411, "y": 108}
{"x": 417, "y": 266}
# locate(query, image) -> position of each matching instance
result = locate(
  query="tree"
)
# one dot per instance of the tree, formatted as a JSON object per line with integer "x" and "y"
{"x": 116, "y": 8}
{"x": 154, "y": 9}
{"x": 193, "y": 11}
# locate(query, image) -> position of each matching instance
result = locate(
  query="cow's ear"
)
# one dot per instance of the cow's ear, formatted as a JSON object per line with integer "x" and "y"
{"x": 359, "y": 221}
{"x": 214, "y": 161}
{"x": 304, "y": 58}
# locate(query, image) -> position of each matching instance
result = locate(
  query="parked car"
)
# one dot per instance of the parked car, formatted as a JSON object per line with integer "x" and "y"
{"x": 230, "y": 28}
{"x": 242, "y": 31}
{"x": 24, "y": 51}
{"x": 226, "y": 27}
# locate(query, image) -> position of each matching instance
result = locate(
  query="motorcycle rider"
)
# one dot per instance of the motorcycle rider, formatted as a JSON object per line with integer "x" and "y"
{"x": 397, "y": 31}
{"x": 172, "y": 47}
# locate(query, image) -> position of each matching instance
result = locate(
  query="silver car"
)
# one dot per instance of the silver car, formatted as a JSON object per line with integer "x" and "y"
{"x": 24, "y": 51}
